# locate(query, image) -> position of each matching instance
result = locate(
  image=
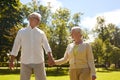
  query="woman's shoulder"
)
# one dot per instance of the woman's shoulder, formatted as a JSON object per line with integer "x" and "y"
{"x": 87, "y": 44}
{"x": 70, "y": 44}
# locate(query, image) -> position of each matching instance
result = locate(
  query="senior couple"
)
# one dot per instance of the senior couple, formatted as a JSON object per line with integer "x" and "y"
{"x": 31, "y": 40}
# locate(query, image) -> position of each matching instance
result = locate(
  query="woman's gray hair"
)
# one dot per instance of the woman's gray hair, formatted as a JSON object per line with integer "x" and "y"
{"x": 35, "y": 15}
{"x": 77, "y": 29}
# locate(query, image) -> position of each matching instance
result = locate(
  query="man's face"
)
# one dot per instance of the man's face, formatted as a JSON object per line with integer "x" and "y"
{"x": 33, "y": 22}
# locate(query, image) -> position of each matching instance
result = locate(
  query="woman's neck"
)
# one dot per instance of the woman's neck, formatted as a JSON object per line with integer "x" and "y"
{"x": 78, "y": 42}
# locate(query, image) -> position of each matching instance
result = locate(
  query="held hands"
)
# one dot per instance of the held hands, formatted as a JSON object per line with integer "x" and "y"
{"x": 51, "y": 61}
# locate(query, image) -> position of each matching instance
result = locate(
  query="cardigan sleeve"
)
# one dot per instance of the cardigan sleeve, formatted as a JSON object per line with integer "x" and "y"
{"x": 90, "y": 58}
{"x": 64, "y": 59}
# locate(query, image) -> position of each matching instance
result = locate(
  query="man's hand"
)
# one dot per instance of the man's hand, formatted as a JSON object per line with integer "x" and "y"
{"x": 51, "y": 62}
{"x": 93, "y": 77}
{"x": 50, "y": 59}
{"x": 11, "y": 63}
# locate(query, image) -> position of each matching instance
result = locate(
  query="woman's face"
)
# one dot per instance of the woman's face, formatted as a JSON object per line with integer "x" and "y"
{"x": 33, "y": 22}
{"x": 75, "y": 35}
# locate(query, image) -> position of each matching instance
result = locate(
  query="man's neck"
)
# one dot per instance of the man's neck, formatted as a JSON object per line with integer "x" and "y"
{"x": 32, "y": 27}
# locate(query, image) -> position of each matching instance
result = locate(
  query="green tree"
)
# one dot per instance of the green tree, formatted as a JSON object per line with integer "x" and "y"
{"x": 115, "y": 56}
{"x": 98, "y": 50}
{"x": 76, "y": 18}
{"x": 100, "y": 27}
{"x": 114, "y": 32}
{"x": 10, "y": 14}
{"x": 108, "y": 34}
{"x": 59, "y": 35}
{"x": 10, "y": 17}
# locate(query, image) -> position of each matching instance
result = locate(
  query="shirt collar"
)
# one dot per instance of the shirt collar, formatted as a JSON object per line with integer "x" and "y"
{"x": 29, "y": 27}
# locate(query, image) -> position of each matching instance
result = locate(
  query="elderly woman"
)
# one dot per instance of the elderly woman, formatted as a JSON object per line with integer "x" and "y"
{"x": 80, "y": 57}
{"x": 32, "y": 40}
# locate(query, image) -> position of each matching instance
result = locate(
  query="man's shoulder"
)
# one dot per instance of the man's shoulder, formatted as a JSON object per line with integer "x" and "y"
{"x": 22, "y": 29}
{"x": 39, "y": 30}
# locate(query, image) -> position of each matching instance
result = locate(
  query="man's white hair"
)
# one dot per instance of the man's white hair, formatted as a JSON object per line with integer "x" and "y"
{"x": 35, "y": 15}
{"x": 77, "y": 29}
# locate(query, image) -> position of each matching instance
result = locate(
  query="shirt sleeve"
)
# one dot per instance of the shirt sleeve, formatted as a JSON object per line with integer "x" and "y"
{"x": 63, "y": 60}
{"x": 16, "y": 45}
{"x": 46, "y": 45}
{"x": 90, "y": 58}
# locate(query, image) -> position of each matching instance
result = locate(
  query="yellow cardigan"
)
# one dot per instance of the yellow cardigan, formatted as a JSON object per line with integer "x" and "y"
{"x": 82, "y": 59}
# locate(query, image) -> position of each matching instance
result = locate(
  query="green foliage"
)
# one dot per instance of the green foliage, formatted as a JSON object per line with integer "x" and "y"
{"x": 45, "y": 12}
{"x": 6, "y": 41}
{"x": 110, "y": 42}
{"x": 97, "y": 47}
{"x": 59, "y": 38}
{"x": 26, "y": 10}
{"x": 76, "y": 18}
{"x": 10, "y": 17}
{"x": 10, "y": 14}
{"x": 115, "y": 56}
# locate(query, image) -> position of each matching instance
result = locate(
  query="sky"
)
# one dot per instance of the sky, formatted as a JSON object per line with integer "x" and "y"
{"x": 91, "y": 9}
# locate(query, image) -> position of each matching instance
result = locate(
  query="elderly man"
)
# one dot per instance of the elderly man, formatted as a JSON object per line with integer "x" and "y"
{"x": 80, "y": 57}
{"x": 32, "y": 40}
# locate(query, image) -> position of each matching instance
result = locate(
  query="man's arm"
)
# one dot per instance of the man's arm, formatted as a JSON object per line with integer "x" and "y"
{"x": 15, "y": 49}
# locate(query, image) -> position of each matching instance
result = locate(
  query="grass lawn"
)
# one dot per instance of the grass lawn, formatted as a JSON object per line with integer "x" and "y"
{"x": 62, "y": 74}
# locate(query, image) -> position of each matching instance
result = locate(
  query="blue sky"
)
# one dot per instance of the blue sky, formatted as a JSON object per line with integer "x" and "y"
{"x": 110, "y": 9}
{"x": 90, "y": 8}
